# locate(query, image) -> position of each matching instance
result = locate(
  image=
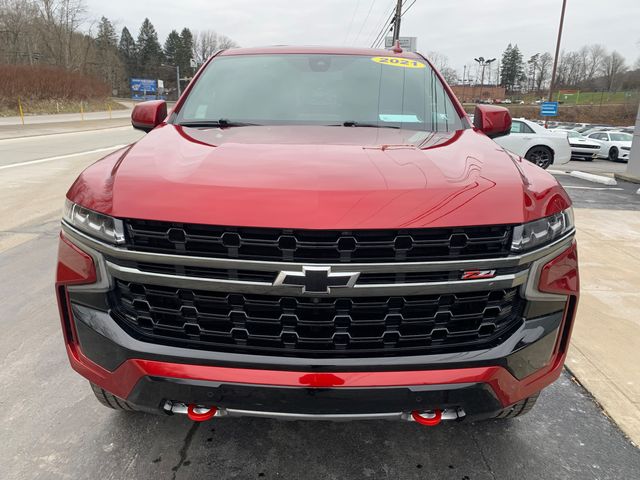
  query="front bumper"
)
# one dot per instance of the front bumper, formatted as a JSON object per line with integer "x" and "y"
{"x": 480, "y": 383}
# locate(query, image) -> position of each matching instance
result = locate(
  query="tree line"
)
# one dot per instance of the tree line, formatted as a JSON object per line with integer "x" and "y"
{"x": 60, "y": 33}
{"x": 591, "y": 67}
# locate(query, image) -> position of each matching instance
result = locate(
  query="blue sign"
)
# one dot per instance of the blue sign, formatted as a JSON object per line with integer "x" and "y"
{"x": 144, "y": 89}
{"x": 549, "y": 109}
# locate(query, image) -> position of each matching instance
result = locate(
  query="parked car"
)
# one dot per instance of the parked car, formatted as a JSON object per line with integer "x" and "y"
{"x": 599, "y": 128}
{"x": 537, "y": 144}
{"x": 613, "y": 145}
{"x": 317, "y": 233}
{"x": 582, "y": 147}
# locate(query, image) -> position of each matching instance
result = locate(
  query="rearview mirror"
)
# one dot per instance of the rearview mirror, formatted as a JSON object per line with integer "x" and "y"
{"x": 148, "y": 115}
{"x": 493, "y": 121}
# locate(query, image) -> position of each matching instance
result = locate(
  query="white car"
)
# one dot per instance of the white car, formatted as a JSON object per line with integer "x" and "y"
{"x": 582, "y": 147}
{"x": 613, "y": 145}
{"x": 537, "y": 144}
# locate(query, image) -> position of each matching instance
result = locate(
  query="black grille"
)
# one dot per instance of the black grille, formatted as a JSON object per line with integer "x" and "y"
{"x": 319, "y": 246}
{"x": 578, "y": 145}
{"x": 317, "y": 326}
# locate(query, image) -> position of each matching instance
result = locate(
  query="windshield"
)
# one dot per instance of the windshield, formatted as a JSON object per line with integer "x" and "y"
{"x": 621, "y": 137}
{"x": 313, "y": 89}
{"x": 572, "y": 134}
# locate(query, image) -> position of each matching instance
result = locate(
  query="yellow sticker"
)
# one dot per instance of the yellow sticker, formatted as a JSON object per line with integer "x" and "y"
{"x": 398, "y": 62}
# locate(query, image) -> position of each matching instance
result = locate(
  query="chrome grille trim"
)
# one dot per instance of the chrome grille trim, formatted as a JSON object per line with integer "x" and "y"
{"x": 233, "y": 286}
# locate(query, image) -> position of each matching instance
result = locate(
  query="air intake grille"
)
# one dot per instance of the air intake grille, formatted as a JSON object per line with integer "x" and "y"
{"x": 317, "y": 326}
{"x": 319, "y": 246}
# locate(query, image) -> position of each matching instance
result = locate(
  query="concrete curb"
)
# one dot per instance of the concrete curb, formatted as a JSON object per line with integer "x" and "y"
{"x": 593, "y": 178}
{"x": 627, "y": 177}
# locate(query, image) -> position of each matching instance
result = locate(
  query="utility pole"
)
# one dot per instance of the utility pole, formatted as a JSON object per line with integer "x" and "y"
{"x": 396, "y": 22}
{"x": 555, "y": 59}
{"x": 178, "y": 79}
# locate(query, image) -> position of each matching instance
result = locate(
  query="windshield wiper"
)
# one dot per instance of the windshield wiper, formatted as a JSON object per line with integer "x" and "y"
{"x": 352, "y": 123}
{"x": 221, "y": 123}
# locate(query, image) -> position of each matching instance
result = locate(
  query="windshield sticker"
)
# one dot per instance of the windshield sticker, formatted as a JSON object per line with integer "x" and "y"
{"x": 385, "y": 117}
{"x": 398, "y": 62}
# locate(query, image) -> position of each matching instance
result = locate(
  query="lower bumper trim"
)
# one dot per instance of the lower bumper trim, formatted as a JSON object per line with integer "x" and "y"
{"x": 447, "y": 414}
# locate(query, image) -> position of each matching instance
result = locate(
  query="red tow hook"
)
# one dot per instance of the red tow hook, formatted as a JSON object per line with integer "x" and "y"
{"x": 200, "y": 417}
{"x": 429, "y": 422}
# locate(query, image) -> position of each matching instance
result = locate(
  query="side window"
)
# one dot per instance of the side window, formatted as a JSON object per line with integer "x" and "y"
{"x": 516, "y": 127}
{"x": 520, "y": 127}
{"x": 526, "y": 128}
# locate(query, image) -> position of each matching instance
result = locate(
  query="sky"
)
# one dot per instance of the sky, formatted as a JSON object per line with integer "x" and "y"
{"x": 459, "y": 29}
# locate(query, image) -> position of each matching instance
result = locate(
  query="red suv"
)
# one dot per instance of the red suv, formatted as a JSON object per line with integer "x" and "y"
{"x": 318, "y": 233}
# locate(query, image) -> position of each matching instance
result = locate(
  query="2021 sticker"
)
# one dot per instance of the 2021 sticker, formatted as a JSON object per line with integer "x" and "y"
{"x": 399, "y": 62}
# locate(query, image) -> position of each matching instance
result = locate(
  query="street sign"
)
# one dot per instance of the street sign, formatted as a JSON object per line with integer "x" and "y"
{"x": 409, "y": 44}
{"x": 144, "y": 88}
{"x": 549, "y": 109}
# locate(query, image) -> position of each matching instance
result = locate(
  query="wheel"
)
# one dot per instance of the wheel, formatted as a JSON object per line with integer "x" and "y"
{"x": 109, "y": 400}
{"x": 540, "y": 155}
{"x": 613, "y": 154}
{"x": 521, "y": 408}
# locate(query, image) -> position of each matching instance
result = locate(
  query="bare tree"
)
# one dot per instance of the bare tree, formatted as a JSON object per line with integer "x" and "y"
{"x": 544, "y": 65}
{"x": 613, "y": 65}
{"x": 61, "y": 20}
{"x": 441, "y": 62}
{"x": 593, "y": 64}
{"x": 207, "y": 42}
{"x": 16, "y": 32}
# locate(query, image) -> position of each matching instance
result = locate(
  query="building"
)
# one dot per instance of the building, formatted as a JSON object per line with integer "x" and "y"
{"x": 476, "y": 93}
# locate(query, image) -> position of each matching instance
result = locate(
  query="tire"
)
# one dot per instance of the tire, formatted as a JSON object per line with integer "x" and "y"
{"x": 109, "y": 400}
{"x": 613, "y": 154}
{"x": 518, "y": 409}
{"x": 540, "y": 155}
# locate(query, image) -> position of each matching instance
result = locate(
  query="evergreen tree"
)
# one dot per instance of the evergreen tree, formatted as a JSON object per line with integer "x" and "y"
{"x": 106, "y": 39}
{"x": 172, "y": 48}
{"x": 512, "y": 68}
{"x": 148, "y": 49}
{"x": 110, "y": 66}
{"x": 185, "y": 52}
{"x": 128, "y": 52}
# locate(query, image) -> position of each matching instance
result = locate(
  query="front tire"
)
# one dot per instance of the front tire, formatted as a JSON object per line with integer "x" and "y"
{"x": 540, "y": 155}
{"x": 613, "y": 154}
{"x": 518, "y": 409}
{"x": 109, "y": 400}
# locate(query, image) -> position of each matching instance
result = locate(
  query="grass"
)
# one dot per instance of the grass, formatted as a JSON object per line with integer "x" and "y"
{"x": 52, "y": 106}
{"x": 609, "y": 114}
{"x": 587, "y": 98}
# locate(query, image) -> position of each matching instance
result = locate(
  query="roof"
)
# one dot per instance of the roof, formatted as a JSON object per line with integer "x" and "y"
{"x": 292, "y": 49}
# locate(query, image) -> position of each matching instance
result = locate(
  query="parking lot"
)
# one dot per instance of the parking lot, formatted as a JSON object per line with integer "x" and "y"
{"x": 54, "y": 428}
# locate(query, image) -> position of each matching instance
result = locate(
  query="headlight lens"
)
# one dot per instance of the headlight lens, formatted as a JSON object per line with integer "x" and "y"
{"x": 541, "y": 232}
{"x": 93, "y": 223}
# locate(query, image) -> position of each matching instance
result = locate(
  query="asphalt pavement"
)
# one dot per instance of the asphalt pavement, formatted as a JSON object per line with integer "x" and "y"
{"x": 52, "y": 427}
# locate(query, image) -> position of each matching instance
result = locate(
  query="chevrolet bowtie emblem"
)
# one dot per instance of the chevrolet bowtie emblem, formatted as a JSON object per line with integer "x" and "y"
{"x": 317, "y": 279}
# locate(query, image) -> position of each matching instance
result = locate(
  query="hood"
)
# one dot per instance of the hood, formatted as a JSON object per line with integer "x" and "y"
{"x": 318, "y": 178}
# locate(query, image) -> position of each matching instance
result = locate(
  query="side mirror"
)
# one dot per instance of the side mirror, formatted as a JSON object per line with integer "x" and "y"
{"x": 493, "y": 121}
{"x": 148, "y": 115}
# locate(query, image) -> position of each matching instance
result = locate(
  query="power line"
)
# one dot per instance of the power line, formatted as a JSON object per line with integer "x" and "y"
{"x": 383, "y": 31}
{"x": 355, "y": 10}
{"x": 407, "y": 9}
{"x": 381, "y": 19}
{"x": 365, "y": 21}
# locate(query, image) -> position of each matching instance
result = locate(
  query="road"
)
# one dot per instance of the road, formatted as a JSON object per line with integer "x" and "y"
{"x": 52, "y": 427}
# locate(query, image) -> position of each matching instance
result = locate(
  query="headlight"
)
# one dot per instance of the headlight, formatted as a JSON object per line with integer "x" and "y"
{"x": 542, "y": 232}
{"x": 93, "y": 223}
